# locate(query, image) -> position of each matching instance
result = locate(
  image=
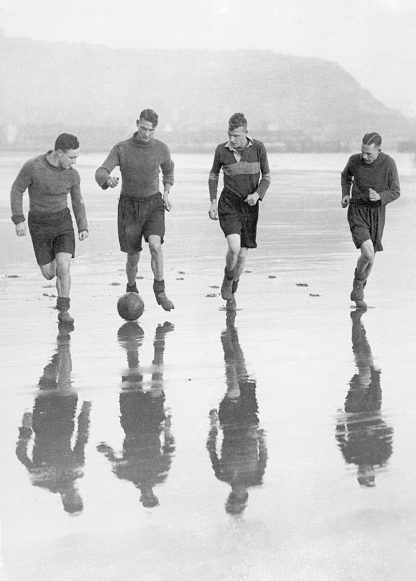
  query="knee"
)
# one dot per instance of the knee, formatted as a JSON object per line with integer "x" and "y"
{"x": 48, "y": 274}
{"x": 155, "y": 247}
{"x": 62, "y": 269}
{"x": 234, "y": 247}
{"x": 133, "y": 259}
{"x": 369, "y": 255}
{"x": 48, "y": 270}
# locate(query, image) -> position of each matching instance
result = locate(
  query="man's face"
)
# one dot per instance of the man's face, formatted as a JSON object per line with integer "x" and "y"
{"x": 369, "y": 153}
{"x": 145, "y": 130}
{"x": 67, "y": 158}
{"x": 238, "y": 137}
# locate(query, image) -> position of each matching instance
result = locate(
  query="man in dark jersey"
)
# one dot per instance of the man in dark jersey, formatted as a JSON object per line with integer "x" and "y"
{"x": 49, "y": 178}
{"x": 246, "y": 179}
{"x": 141, "y": 207}
{"x": 369, "y": 182}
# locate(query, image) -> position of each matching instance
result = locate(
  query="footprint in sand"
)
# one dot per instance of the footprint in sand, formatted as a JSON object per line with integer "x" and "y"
{"x": 180, "y": 278}
{"x": 314, "y": 295}
{"x": 115, "y": 283}
{"x": 211, "y": 295}
{"x": 271, "y": 276}
{"x": 214, "y": 286}
{"x": 301, "y": 284}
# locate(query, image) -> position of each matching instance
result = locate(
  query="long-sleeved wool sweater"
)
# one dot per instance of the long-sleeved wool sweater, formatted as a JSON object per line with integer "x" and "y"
{"x": 381, "y": 175}
{"x": 140, "y": 164}
{"x": 48, "y": 188}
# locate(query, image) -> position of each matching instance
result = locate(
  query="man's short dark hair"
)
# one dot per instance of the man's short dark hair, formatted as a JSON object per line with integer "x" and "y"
{"x": 66, "y": 141}
{"x": 372, "y": 139}
{"x": 237, "y": 120}
{"x": 150, "y": 116}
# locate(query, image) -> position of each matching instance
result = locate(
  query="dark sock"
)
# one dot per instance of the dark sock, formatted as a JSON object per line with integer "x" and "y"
{"x": 158, "y": 286}
{"x": 62, "y": 303}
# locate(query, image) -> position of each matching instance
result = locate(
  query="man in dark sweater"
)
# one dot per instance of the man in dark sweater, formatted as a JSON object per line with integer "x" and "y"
{"x": 246, "y": 179}
{"x": 369, "y": 182}
{"x": 49, "y": 178}
{"x": 141, "y": 207}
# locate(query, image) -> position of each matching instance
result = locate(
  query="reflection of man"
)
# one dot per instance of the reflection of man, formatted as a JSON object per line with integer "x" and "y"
{"x": 246, "y": 179}
{"x": 145, "y": 460}
{"x": 369, "y": 182}
{"x": 362, "y": 435}
{"x": 55, "y": 463}
{"x": 141, "y": 208}
{"x": 243, "y": 453}
{"x": 49, "y": 179}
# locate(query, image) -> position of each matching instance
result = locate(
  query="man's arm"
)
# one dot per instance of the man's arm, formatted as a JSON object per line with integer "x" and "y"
{"x": 346, "y": 184}
{"x": 78, "y": 207}
{"x": 265, "y": 173}
{"x": 20, "y": 185}
{"x": 167, "y": 166}
{"x": 393, "y": 190}
{"x": 102, "y": 175}
{"x": 213, "y": 179}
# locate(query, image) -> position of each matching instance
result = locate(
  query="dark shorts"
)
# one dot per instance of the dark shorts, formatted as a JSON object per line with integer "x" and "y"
{"x": 51, "y": 233}
{"x": 140, "y": 218}
{"x": 237, "y": 217}
{"x": 367, "y": 223}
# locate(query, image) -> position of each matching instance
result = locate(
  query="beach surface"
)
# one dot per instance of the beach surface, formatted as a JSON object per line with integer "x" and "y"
{"x": 273, "y": 443}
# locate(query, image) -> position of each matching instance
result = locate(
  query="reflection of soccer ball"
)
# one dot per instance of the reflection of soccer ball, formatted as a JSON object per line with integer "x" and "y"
{"x": 130, "y": 306}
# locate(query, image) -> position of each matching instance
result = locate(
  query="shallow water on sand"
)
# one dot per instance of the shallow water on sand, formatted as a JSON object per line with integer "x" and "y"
{"x": 272, "y": 443}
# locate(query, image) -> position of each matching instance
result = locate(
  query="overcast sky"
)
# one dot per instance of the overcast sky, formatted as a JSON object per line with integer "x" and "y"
{"x": 374, "y": 40}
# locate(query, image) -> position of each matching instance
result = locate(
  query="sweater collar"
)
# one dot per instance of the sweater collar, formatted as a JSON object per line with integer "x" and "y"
{"x": 232, "y": 148}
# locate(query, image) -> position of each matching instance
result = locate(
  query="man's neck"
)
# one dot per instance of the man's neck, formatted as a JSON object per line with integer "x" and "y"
{"x": 51, "y": 158}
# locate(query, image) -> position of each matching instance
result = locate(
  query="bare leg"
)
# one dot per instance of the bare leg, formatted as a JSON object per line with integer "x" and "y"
{"x": 63, "y": 286}
{"x": 364, "y": 266}
{"x": 131, "y": 267}
{"x": 48, "y": 270}
{"x": 63, "y": 274}
{"x": 155, "y": 247}
{"x": 366, "y": 260}
{"x": 231, "y": 259}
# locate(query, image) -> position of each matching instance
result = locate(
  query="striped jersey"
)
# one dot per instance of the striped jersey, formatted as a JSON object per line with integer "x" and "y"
{"x": 245, "y": 172}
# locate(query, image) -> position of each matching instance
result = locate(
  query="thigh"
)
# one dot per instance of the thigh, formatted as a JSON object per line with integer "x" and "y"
{"x": 64, "y": 239}
{"x": 249, "y": 229}
{"x": 42, "y": 236}
{"x": 154, "y": 219}
{"x": 230, "y": 214}
{"x": 358, "y": 220}
{"x": 129, "y": 225}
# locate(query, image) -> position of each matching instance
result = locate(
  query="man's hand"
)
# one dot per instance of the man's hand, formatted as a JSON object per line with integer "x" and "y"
{"x": 21, "y": 229}
{"x": 252, "y": 199}
{"x": 213, "y": 211}
{"x": 374, "y": 196}
{"x": 83, "y": 235}
{"x": 112, "y": 182}
{"x": 167, "y": 202}
{"x": 345, "y": 201}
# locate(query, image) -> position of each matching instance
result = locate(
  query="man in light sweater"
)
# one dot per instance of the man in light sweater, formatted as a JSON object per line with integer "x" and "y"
{"x": 369, "y": 182}
{"x": 49, "y": 178}
{"x": 246, "y": 179}
{"x": 141, "y": 207}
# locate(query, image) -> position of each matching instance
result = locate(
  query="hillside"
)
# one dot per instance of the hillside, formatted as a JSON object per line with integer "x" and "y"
{"x": 77, "y": 85}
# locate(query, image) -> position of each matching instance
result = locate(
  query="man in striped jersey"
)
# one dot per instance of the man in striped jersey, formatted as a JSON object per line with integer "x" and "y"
{"x": 246, "y": 179}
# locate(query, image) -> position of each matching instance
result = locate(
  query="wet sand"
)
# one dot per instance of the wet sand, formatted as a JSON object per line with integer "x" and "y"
{"x": 129, "y": 450}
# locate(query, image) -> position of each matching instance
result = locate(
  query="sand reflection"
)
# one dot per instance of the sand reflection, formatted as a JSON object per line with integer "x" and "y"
{"x": 149, "y": 445}
{"x": 243, "y": 456}
{"x": 52, "y": 462}
{"x": 363, "y": 436}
